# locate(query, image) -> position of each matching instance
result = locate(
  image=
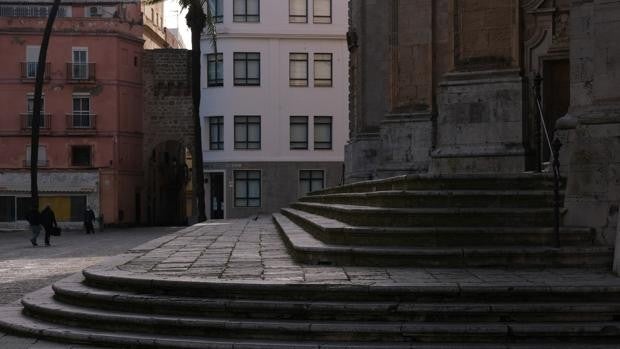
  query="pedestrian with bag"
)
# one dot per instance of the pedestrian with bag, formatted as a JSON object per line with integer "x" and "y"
{"x": 89, "y": 218}
{"x": 48, "y": 221}
{"x": 34, "y": 219}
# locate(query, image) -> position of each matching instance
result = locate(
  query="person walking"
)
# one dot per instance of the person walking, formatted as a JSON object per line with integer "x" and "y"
{"x": 34, "y": 219}
{"x": 89, "y": 218}
{"x": 48, "y": 221}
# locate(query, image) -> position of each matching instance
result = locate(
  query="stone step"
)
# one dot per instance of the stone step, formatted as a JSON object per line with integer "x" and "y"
{"x": 440, "y": 198}
{"x": 335, "y": 232}
{"x": 307, "y": 249}
{"x": 431, "y": 217}
{"x": 73, "y": 291}
{"x": 43, "y": 306}
{"x": 492, "y": 181}
{"x": 14, "y": 321}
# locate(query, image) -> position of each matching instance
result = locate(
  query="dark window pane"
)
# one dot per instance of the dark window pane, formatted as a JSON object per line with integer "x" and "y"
{"x": 247, "y": 188}
{"x": 23, "y": 207}
{"x": 7, "y": 208}
{"x": 80, "y": 156}
{"x": 78, "y": 206}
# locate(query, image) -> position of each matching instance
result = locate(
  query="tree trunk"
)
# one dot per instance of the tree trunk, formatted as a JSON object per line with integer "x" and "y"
{"x": 36, "y": 108}
{"x": 197, "y": 23}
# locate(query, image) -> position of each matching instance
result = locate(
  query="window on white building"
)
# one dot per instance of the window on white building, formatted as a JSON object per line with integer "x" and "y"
{"x": 247, "y": 68}
{"x": 216, "y": 133}
{"x": 323, "y": 132}
{"x": 246, "y": 10}
{"x": 298, "y": 11}
{"x": 298, "y": 69}
{"x": 299, "y": 132}
{"x": 217, "y": 10}
{"x": 322, "y": 11}
{"x": 247, "y": 132}
{"x": 311, "y": 180}
{"x": 323, "y": 70}
{"x": 247, "y": 188}
{"x": 215, "y": 69}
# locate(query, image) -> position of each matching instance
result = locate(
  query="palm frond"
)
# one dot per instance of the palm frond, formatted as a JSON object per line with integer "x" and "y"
{"x": 211, "y": 28}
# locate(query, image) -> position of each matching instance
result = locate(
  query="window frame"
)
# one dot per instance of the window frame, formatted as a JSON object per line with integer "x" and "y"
{"x": 217, "y": 59}
{"x": 324, "y": 82}
{"x": 329, "y": 18}
{"x": 245, "y": 145}
{"x": 80, "y": 114}
{"x": 79, "y": 69}
{"x": 323, "y": 145}
{"x": 32, "y": 63}
{"x": 217, "y": 10}
{"x": 298, "y": 145}
{"x": 310, "y": 179}
{"x": 291, "y": 60}
{"x": 90, "y": 155}
{"x": 247, "y": 81}
{"x": 247, "y": 179}
{"x": 243, "y": 17}
{"x": 291, "y": 16}
{"x": 218, "y": 123}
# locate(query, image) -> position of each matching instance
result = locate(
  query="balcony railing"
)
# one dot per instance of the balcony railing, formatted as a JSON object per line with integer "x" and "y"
{"x": 40, "y": 163}
{"x": 81, "y": 71}
{"x": 81, "y": 121}
{"x": 29, "y": 70}
{"x": 44, "y": 123}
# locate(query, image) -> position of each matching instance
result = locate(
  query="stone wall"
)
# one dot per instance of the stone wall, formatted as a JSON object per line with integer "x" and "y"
{"x": 167, "y": 120}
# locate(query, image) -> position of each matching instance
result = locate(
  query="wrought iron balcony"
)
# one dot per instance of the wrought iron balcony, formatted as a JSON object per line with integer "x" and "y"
{"x": 29, "y": 70}
{"x": 81, "y": 121}
{"x": 44, "y": 123}
{"x": 81, "y": 72}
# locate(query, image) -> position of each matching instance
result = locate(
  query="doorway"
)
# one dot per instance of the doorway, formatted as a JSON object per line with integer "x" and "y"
{"x": 556, "y": 97}
{"x": 216, "y": 181}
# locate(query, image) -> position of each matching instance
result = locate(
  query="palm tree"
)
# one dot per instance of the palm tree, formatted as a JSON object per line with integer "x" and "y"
{"x": 197, "y": 20}
{"x": 37, "y": 103}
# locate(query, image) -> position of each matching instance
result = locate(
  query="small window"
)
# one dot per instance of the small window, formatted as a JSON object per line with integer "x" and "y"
{"x": 323, "y": 69}
{"x": 322, "y": 11}
{"x": 79, "y": 64}
{"x": 247, "y": 132}
{"x": 217, "y": 10}
{"x": 215, "y": 69}
{"x": 42, "y": 156}
{"x": 247, "y": 69}
{"x": 81, "y": 117}
{"x": 81, "y": 155}
{"x": 299, "y": 132}
{"x": 216, "y": 133}
{"x": 298, "y": 69}
{"x": 246, "y": 11}
{"x": 247, "y": 188}
{"x": 298, "y": 11}
{"x": 32, "y": 61}
{"x": 323, "y": 132}
{"x": 311, "y": 180}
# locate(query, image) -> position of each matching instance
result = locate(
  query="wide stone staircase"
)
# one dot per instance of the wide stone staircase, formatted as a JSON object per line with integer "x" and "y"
{"x": 404, "y": 224}
{"x": 426, "y": 221}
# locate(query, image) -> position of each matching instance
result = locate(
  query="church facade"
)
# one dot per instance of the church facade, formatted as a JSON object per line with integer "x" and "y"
{"x": 448, "y": 87}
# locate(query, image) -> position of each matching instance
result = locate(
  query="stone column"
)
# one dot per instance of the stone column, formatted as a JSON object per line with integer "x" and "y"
{"x": 593, "y": 123}
{"x": 480, "y": 103}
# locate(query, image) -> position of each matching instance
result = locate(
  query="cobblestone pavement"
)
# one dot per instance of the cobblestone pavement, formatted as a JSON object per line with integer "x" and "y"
{"x": 24, "y": 269}
{"x": 252, "y": 250}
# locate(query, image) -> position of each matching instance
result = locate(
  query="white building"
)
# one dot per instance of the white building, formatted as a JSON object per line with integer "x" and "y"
{"x": 274, "y": 106}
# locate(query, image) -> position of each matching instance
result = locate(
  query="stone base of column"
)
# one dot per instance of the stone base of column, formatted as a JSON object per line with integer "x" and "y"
{"x": 480, "y": 123}
{"x": 361, "y": 157}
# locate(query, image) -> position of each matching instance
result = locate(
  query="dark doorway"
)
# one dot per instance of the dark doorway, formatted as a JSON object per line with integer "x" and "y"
{"x": 556, "y": 97}
{"x": 168, "y": 177}
{"x": 217, "y": 195}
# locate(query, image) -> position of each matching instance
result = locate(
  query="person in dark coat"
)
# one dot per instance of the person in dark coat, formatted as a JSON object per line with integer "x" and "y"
{"x": 89, "y": 218}
{"x": 48, "y": 221}
{"x": 34, "y": 219}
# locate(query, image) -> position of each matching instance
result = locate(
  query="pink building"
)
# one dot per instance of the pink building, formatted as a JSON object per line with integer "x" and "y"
{"x": 91, "y": 136}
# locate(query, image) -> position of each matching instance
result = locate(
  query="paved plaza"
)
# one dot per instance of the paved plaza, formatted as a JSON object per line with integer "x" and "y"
{"x": 25, "y": 269}
{"x": 235, "y": 251}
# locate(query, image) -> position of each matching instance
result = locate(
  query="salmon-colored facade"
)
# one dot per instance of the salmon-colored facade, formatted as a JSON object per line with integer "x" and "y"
{"x": 91, "y": 137}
